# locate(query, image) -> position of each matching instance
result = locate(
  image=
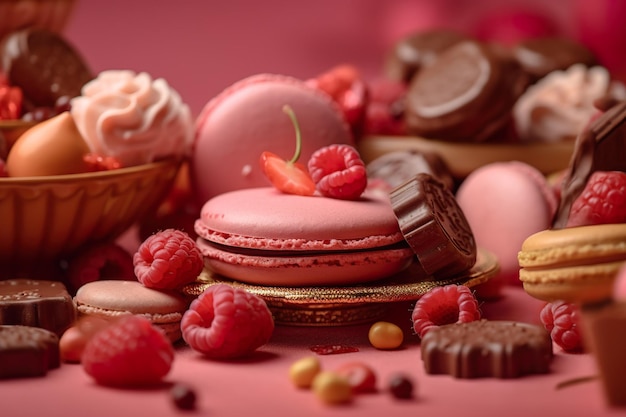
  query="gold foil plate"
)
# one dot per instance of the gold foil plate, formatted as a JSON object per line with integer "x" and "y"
{"x": 348, "y": 305}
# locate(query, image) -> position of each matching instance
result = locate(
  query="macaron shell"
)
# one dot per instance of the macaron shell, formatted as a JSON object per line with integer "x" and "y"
{"x": 265, "y": 218}
{"x": 317, "y": 269}
{"x": 504, "y": 203}
{"x": 577, "y": 264}
{"x": 247, "y": 119}
{"x": 117, "y": 296}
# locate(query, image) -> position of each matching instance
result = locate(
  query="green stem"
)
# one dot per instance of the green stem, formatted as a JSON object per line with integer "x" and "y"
{"x": 287, "y": 109}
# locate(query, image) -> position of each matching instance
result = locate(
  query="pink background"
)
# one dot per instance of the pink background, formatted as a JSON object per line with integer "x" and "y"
{"x": 202, "y": 46}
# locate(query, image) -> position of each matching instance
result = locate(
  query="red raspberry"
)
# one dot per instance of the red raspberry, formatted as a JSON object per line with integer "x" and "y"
{"x": 347, "y": 88}
{"x": 338, "y": 172}
{"x": 444, "y": 305}
{"x": 602, "y": 201}
{"x": 129, "y": 352}
{"x": 99, "y": 262}
{"x": 227, "y": 322}
{"x": 167, "y": 260}
{"x": 562, "y": 320}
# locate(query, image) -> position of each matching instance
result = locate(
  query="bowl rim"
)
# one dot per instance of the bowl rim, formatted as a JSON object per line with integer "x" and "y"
{"x": 110, "y": 174}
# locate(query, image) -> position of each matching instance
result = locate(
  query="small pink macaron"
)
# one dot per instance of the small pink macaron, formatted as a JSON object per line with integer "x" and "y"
{"x": 504, "y": 203}
{"x": 246, "y": 119}
{"x": 262, "y": 236}
{"x": 112, "y": 299}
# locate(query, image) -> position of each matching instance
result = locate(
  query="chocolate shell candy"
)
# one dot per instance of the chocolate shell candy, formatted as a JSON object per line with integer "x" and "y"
{"x": 36, "y": 303}
{"x": 434, "y": 226}
{"x": 44, "y": 65}
{"x": 599, "y": 147}
{"x": 483, "y": 348}
{"x": 27, "y": 351}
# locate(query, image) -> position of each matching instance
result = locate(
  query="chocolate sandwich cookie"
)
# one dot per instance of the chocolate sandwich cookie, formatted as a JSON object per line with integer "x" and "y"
{"x": 483, "y": 348}
{"x": 418, "y": 50}
{"x": 434, "y": 226}
{"x": 540, "y": 56}
{"x": 466, "y": 94}
{"x": 37, "y": 303}
{"x": 27, "y": 351}
{"x": 397, "y": 167}
{"x": 43, "y": 65}
{"x": 599, "y": 147}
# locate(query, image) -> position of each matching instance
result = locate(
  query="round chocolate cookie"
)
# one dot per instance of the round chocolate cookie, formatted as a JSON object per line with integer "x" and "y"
{"x": 540, "y": 56}
{"x": 434, "y": 226}
{"x": 418, "y": 50}
{"x": 43, "y": 65}
{"x": 397, "y": 167}
{"x": 466, "y": 94}
{"x": 484, "y": 348}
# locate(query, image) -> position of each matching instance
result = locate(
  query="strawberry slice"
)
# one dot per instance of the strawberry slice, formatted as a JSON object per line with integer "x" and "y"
{"x": 290, "y": 177}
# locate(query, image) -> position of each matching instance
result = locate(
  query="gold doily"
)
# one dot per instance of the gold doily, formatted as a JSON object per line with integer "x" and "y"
{"x": 331, "y": 306}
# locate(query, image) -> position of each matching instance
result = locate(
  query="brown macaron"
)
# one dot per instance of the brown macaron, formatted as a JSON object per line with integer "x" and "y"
{"x": 466, "y": 94}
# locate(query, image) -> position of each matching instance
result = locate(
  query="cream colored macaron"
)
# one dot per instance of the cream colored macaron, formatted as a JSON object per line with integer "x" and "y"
{"x": 577, "y": 264}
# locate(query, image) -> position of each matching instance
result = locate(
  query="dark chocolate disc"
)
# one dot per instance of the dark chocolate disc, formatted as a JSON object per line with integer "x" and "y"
{"x": 44, "y": 65}
{"x": 434, "y": 226}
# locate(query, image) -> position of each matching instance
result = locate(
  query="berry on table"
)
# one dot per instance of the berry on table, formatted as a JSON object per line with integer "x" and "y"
{"x": 167, "y": 260}
{"x": 129, "y": 352}
{"x": 602, "y": 201}
{"x": 401, "y": 386}
{"x": 444, "y": 305}
{"x": 562, "y": 320}
{"x": 227, "y": 322}
{"x": 338, "y": 172}
{"x": 290, "y": 177}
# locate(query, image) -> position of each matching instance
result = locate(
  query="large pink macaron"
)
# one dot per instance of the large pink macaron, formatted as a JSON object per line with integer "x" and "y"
{"x": 247, "y": 118}
{"x": 504, "y": 203}
{"x": 262, "y": 236}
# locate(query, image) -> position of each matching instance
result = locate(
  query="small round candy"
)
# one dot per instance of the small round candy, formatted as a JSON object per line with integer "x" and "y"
{"x": 303, "y": 371}
{"x": 385, "y": 335}
{"x": 401, "y": 386}
{"x": 332, "y": 388}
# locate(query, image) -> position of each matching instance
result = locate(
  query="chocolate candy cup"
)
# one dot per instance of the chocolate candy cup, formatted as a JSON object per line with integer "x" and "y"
{"x": 434, "y": 226}
{"x": 478, "y": 349}
{"x": 44, "y": 304}
{"x": 27, "y": 351}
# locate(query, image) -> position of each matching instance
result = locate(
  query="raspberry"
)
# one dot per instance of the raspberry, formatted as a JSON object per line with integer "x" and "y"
{"x": 444, "y": 305}
{"x": 129, "y": 352}
{"x": 338, "y": 172}
{"x": 602, "y": 201}
{"x": 167, "y": 260}
{"x": 227, "y": 322}
{"x": 347, "y": 88}
{"x": 97, "y": 162}
{"x": 562, "y": 320}
{"x": 99, "y": 262}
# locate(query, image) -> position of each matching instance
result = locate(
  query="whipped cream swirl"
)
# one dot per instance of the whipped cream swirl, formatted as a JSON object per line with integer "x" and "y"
{"x": 132, "y": 117}
{"x": 560, "y": 104}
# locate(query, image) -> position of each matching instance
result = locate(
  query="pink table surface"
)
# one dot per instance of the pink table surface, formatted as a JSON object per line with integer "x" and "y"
{"x": 260, "y": 385}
